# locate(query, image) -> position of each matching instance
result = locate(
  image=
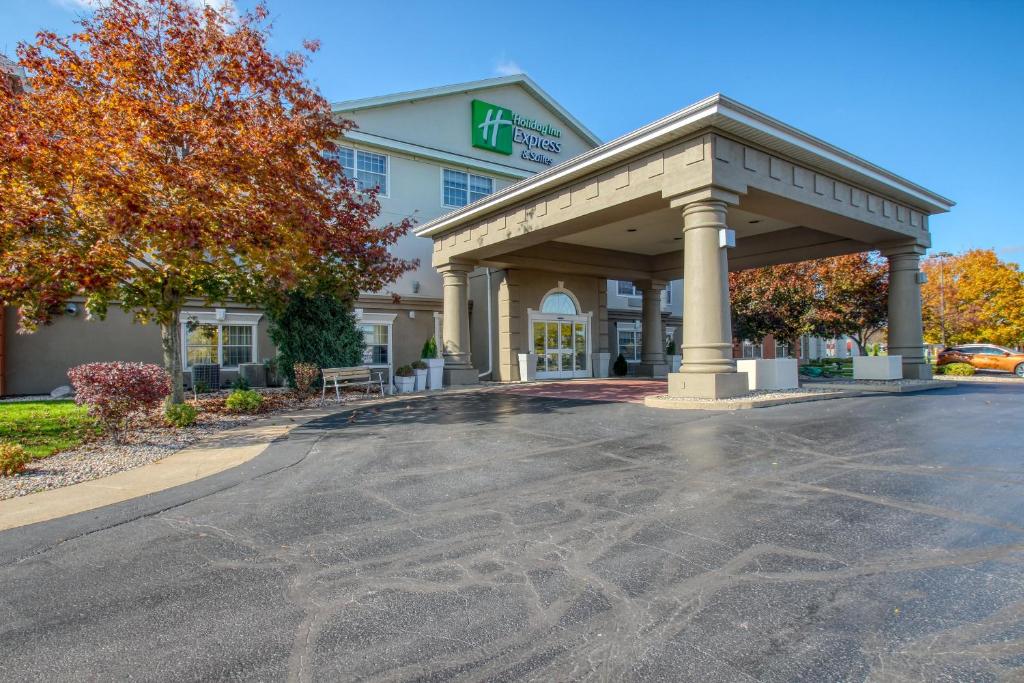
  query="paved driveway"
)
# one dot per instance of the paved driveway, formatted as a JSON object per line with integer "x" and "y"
{"x": 501, "y": 537}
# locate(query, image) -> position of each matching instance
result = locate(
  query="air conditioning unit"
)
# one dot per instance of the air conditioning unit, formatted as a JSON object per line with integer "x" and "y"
{"x": 635, "y": 301}
{"x": 207, "y": 374}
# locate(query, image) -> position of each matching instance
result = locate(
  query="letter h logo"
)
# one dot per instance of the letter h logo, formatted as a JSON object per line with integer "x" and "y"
{"x": 492, "y": 127}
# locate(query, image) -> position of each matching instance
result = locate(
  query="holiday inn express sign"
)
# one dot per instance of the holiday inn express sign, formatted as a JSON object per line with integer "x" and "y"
{"x": 498, "y": 129}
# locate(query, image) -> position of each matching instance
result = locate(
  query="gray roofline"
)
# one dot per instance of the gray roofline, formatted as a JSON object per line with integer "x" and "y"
{"x": 710, "y": 112}
{"x": 441, "y": 91}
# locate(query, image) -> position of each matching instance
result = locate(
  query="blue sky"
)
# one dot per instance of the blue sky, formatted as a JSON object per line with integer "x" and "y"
{"x": 933, "y": 91}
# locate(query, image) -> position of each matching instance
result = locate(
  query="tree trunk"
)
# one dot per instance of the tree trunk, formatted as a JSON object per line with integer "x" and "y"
{"x": 170, "y": 340}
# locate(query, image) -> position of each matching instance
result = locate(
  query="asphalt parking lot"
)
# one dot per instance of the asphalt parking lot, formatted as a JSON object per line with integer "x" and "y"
{"x": 499, "y": 537}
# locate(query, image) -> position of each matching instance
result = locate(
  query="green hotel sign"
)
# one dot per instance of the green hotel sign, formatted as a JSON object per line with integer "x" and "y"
{"x": 499, "y": 129}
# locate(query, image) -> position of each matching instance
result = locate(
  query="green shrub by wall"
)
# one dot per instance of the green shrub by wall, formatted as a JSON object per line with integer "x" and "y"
{"x": 320, "y": 329}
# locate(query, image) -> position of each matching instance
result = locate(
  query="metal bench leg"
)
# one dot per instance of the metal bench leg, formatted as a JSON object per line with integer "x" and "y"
{"x": 337, "y": 393}
{"x": 323, "y": 394}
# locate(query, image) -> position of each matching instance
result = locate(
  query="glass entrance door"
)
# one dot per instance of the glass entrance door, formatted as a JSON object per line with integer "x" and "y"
{"x": 560, "y": 343}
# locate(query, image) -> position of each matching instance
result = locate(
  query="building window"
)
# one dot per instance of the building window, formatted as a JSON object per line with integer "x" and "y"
{"x": 558, "y": 302}
{"x": 781, "y": 350}
{"x": 376, "y": 338}
{"x": 751, "y": 350}
{"x": 668, "y": 295}
{"x": 459, "y": 188}
{"x": 368, "y": 169}
{"x": 630, "y": 344}
{"x": 225, "y": 345}
{"x": 628, "y": 289}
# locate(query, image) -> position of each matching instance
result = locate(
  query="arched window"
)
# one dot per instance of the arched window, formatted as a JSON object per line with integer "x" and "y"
{"x": 558, "y": 302}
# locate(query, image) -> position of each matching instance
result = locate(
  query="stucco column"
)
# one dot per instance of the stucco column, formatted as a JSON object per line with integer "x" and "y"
{"x": 601, "y": 358}
{"x": 905, "y": 327}
{"x": 652, "y": 358}
{"x": 708, "y": 370}
{"x": 455, "y": 331}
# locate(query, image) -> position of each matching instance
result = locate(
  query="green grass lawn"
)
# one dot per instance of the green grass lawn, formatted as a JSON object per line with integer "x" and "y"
{"x": 45, "y": 427}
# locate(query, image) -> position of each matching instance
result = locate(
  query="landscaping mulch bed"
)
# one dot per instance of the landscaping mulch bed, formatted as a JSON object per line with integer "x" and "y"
{"x": 146, "y": 441}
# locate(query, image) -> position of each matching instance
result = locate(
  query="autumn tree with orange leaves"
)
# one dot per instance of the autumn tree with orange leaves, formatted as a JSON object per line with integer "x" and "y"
{"x": 973, "y": 297}
{"x": 162, "y": 153}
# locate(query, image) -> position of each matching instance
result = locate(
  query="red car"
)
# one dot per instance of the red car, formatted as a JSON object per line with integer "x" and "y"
{"x": 984, "y": 357}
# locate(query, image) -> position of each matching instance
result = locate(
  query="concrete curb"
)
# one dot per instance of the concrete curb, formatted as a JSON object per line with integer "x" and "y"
{"x": 886, "y": 388}
{"x": 670, "y": 403}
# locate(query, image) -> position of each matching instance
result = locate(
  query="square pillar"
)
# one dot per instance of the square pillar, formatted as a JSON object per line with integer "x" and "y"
{"x": 708, "y": 370}
{"x": 906, "y": 334}
{"x": 458, "y": 369}
{"x": 652, "y": 357}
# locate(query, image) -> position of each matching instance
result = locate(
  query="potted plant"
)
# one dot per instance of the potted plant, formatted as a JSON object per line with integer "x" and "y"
{"x": 674, "y": 359}
{"x": 419, "y": 371}
{"x": 435, "y": 364}
{"x": 621, "y": 367}
{"x": 405, "y": 379}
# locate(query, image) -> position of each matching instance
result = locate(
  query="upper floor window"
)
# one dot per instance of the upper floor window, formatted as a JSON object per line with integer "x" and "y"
{"x": 368, "y": 169}
{"x": 459, "y": 188}
{"x": 628, "y": 289}
{"x": 625, "y": 288}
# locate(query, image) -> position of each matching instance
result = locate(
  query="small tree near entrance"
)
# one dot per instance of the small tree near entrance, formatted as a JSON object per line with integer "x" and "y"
{"x": 162, "y": 153}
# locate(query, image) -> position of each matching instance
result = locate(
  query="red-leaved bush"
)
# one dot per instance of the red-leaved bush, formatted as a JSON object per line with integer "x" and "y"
{"x": 113, "y": 391}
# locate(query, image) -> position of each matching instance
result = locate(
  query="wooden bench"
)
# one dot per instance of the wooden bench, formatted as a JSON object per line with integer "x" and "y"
{"x": 357, "y": 376}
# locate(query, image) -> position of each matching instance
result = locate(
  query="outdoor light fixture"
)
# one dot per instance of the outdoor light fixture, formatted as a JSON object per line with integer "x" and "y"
{"x": 754, "y": 221}
{"x": 220, "y": 313}
{"x": 726, "y": 238}
{"x": 630, "y": 229}
{"x": 416, "y": 287}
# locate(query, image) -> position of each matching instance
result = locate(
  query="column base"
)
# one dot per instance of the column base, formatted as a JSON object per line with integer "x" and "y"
{"x": 461, "y": 376}
{"x": 600, "y": 361}
{"x": 707, "y": 385}
{"x": 917, "y": 371}
{"x": 652, "y": 370}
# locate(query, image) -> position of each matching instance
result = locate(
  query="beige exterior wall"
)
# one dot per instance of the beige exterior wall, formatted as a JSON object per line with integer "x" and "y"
{"x": 514, "y": 292}
{"x": 39, "y": 362}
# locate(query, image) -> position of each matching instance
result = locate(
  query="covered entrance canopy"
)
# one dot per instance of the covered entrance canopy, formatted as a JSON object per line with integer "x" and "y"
{"x": 713, "y": 187}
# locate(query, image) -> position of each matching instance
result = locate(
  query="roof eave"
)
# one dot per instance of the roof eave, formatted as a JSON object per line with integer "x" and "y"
{"x": 706, "y": 113}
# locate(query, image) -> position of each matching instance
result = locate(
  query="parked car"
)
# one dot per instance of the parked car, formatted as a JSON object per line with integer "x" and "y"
{"x": 984, "y": 357}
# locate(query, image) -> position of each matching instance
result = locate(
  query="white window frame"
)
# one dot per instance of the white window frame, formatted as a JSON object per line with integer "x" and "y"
{"x": 633, "y": 293}
{"x": 636, "y": 329}
{"x": 386, "y": 194}
{"x": 220, "y": 319}
{"x": 442, "y": 169}
{"x": 747, "y": 344}
{"x": 388, "y": 319}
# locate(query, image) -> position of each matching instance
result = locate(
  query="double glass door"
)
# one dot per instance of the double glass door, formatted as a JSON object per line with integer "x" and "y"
{"x": 560, "y": 343}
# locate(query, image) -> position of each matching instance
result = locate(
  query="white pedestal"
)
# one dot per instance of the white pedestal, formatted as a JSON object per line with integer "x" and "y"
{"x": 770, "y": 374}
{"x": 878, "y": 367}
{"x": 421, "y": 379}
{"x": 527, "y": 367}
{"x": 435, "y": 373}
{"x": 599, "y": 363}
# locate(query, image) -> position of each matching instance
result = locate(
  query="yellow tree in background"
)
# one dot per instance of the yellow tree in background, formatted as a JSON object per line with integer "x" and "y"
{"x": 973, "y": 297}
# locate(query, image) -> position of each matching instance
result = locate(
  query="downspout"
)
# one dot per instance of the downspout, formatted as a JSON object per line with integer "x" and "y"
{"x": 490, "y": 330}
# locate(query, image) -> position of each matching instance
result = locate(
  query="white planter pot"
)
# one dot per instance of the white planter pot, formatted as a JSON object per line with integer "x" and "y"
{"x": 421, "y": 379}
{"x": 770, "y": 374}
{"x": 878, "y": 367}
{"x": 405, "y": 385}
{"x": 674, "y": 362}
{"x": 600, "y": 362}
{"x": 527, "y": 367}
{"x": 435, "y": 373}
